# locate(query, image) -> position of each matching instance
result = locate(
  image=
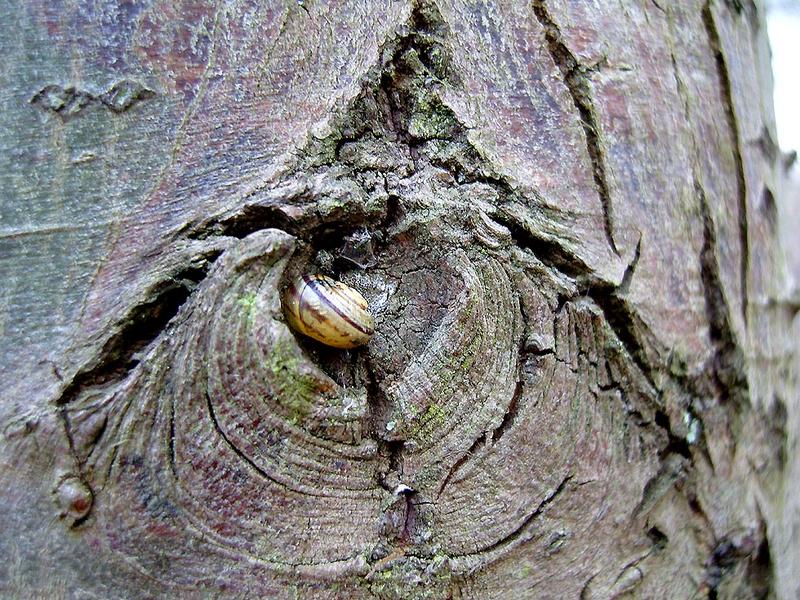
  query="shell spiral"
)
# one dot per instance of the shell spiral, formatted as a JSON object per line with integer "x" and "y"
{"x": 328, "y": 311}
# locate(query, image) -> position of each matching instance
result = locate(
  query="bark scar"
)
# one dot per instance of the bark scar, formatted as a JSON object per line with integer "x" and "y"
{"x": 69, "y": 101}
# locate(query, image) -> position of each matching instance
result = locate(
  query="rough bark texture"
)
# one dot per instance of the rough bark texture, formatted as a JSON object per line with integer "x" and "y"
{"x": 569, "y": 218}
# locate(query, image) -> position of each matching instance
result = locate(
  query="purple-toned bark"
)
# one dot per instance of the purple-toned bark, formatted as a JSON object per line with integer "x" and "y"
{"x": 565, "y": 216}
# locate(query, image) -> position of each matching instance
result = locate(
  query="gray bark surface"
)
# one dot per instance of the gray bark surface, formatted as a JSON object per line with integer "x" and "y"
{"x": 570, "y": 220}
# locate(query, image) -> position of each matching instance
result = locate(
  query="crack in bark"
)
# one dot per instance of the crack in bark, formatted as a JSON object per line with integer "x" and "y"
{"x": 733, "y": 125}
{"x": 748, "y": 549}
{"x": 727, "y": 368}
{"x": 526, "y": 523}
{"x": 242, "y": 456}
{"x": 675, "y": 444}
{"x": 548, "y": 251}
{"x": 585, "y": 593}
{"x": 142, "y": 324}
{"x": 575, "y": 79}
{"x": 511, "y": 412}
{"x": 658, "y": 538}
{"x": 410, "y": 522}
{"x": 625, "y": 284}
{"x": 249, "y": 219}
{"x": 460, "y": 462}
{"x": 395, "y": 449}
{"x": 618, "y": 314}
{"x": 672, "y": 469}
{"x": 622, "y": 320}
{"x": 62, "y": 412}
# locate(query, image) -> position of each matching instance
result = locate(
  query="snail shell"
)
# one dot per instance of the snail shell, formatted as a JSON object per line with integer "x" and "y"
{"x": 328, "y": 311}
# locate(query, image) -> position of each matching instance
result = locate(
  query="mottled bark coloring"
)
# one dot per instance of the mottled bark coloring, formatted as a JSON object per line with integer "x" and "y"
{"x": 569, "y": 220}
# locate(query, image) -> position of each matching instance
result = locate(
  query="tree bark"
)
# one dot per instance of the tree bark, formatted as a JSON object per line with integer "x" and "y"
{"x": 571, "y": 222}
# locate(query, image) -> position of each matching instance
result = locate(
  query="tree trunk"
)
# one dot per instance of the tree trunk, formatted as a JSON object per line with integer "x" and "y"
{"x": 569, "y": 219}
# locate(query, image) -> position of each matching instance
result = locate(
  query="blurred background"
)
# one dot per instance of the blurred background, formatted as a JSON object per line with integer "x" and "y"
{"x": 783, "y": 24}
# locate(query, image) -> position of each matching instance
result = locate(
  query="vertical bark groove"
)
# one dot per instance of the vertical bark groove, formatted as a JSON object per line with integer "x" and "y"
{"x": 575, "y": 78}
{"x": 727, "y": 368}
{"x": 730, "y": 114}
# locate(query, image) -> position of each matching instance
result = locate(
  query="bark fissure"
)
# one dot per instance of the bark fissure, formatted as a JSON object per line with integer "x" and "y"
{"x": 673, "y": 469}
{"x": 460, "y": 462}
{"x": 510, "y": 415}
{"x": 624, "y": 321}
{"x": 727, "y": 370}
{"x": 247, "y": 220}
{"x": 676, "y": 445}
{"x": 236, "y": 450}
{"x": 618, "y": 314}
{"x": 627, "y": 276}
{"x": 576, "y": 79}
{"x": 526, "y": 524}
{"x": 736, "y": 149}
{"x": 746, "y": 550}
{"x": 137, "y": 330}
{"x": 550, "y": 252}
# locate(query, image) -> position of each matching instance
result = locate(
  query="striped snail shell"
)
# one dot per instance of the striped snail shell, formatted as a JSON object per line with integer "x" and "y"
{"x": 328, "y": 311}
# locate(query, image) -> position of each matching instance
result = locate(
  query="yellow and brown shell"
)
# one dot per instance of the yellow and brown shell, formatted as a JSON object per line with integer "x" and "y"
{"x": 329, "y": 311}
